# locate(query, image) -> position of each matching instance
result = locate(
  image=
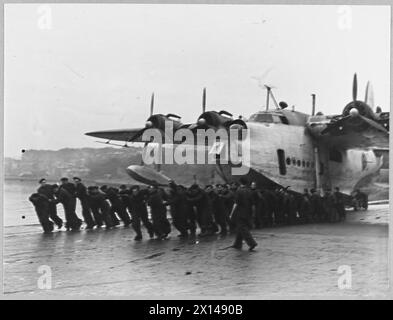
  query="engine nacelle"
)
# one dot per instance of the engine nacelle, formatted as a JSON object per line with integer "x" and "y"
{"x": 157, "y": 121}
{"x": 361, "y": 107}
{"x": 212, "y": 120}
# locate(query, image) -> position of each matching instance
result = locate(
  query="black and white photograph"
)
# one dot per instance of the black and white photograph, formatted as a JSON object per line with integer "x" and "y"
{"x": 196, "y": 151}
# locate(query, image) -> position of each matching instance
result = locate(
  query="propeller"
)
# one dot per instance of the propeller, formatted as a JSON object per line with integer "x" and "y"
{"x": 358, "y": 107}
{"x": 157, "y": 121}
{"x": 152, "y": 104}
{"x": 354, "y": 87}
{"x": 369, "y": 96}
{"x": 204, "y": 100}
{"x": 361, "y": 112}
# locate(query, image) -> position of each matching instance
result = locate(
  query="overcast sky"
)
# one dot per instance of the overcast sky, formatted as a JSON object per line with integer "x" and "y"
{"x": 97, "y": 64}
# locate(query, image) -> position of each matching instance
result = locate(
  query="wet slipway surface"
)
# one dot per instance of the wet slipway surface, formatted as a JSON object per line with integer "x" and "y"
{"x": 295, "y": 261}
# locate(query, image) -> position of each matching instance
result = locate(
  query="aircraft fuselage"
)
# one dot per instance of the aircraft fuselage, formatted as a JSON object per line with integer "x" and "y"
{"x": 284, "y": 153}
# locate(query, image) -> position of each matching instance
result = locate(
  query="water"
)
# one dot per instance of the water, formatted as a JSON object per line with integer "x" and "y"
{"x": 18, "y": 210}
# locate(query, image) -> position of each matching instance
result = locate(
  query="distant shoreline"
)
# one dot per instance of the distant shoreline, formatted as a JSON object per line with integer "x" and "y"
{"x": 85, "y": 180}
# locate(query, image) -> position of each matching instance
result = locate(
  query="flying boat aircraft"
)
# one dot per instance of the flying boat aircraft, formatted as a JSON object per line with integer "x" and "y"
{"x": 287, "y": 147}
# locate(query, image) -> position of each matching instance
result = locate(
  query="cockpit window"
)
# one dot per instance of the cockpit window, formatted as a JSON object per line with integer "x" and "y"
{"x": 284, "y": 120}
{"x": 262, "y": 117}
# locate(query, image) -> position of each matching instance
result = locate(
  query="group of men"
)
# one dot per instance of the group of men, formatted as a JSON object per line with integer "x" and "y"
{"x": 215, "y": 209}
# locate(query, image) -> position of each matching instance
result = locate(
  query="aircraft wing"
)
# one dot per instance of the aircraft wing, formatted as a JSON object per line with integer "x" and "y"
{"x": 352, "y": 132}
{"x": 126, "y": 135}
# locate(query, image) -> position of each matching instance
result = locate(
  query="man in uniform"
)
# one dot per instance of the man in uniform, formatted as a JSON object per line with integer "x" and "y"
{"x": 139, "y": 212}
{"x": 71, "y": 189}
{"x": 161, "y": 224}
{"x": 199, "y": 199}
{"x": 218, "y": 209}
{"x": 339, "y": 204}
{"x": 305, "y": 207}
{"x": 270, "y": 206}
{"x": 329, "y": 206}
{"x": 124, "y": 194}
{"x": 227, "y": 196}
{"x": 291, "y": 207}
{"x": 117, "y": 206}
{"x": 81, "y": 194}
{"x": 316, "y": 206}
{"x": 259, "y": 206}
{"x": 279, "y": 214}
{"x": 65, "y": 198}
{"x": 47, "y": 190}
{"x": 242, "y": 214}
{"x": 176, "y": 201}
{"x": 100, "y": 207}
{"x": 41, "y": 205}
{"x": 115, "y": 220}
{"x": 191, "y": 221}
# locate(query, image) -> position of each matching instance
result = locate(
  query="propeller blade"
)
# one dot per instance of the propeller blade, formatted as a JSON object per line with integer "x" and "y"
{"x": 369, "y": 98}
{"x": 354, "y": 87}
{"x": 367, "y": 88}
{"x": 204, "y": 100}
{"x": 374, "y": 124}
{"x": 152, "y": 104}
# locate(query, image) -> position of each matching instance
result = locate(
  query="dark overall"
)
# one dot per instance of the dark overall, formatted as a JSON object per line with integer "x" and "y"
{"x": 100, "y": 208}
{"x": 72, "y": 220}
{"x": 204, "y": 216}
{"x": 139, "y": 213}
{"x": 242, "y": 217}
{"x": 81, "y": 194}
{"x": 117, "y": 206}
{"x": 47, "y": 190}
{"x": 176, "y": 201}
{"x": 41, "y": 205}
{"x": 219, "y": 211}
{"x": 340, "y": 205}
{"x": 161, "y": 224}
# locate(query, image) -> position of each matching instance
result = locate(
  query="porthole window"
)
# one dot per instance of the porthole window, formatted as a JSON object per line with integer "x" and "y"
{"x": 308, "y": 164}
{"x": 299, "y": 163}
{"x": 294, "y": 161}
{"x": 288, "y": 161}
